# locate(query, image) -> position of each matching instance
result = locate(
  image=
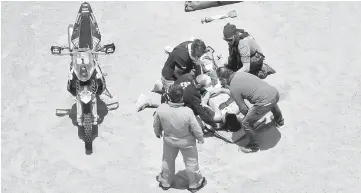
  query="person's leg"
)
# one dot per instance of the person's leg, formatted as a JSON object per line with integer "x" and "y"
{"x": 277, "y": 115}
{"x": 190, "y": 158}
{"x": 254, "y": 113}
{"x": 168, "y": 165}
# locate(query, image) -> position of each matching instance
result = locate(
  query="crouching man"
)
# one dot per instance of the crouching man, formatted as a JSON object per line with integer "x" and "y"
{"x": 263, "y": 96}
{"x": 180, "y": 129}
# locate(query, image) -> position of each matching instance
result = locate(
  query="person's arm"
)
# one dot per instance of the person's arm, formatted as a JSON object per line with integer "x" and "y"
{"x": 244, "y": 50}
{"x": 199, "y": 109}
{"x": 243, "y": 108}
{"x": 195, "y": 128}
{"x": 206, "y": 97}
{"x": 229, "y": 101}
{"x": 157, "y": 125}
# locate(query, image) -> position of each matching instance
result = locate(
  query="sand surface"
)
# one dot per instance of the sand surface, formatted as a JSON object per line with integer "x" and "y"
{"x": 314, "y": 46}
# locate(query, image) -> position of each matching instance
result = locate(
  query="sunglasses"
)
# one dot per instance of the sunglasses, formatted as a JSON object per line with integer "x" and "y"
{"x": 229, "y": 39}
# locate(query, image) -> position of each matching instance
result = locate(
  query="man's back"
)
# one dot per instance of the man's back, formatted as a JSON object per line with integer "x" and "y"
{"x": 252, "y": 88}
{"x": 179, "y": 124}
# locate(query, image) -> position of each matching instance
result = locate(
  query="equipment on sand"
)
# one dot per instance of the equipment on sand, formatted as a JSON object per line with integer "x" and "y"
{"x": 198, "y": 5}
{"x": 231, "y": 14}
{"x": 86, "y": 80}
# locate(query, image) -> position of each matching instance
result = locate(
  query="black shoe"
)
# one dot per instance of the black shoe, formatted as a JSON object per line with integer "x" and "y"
{"x": 280, "y": 122}
{"x": 164, "y": 188}
{"x": 204, "y": 182}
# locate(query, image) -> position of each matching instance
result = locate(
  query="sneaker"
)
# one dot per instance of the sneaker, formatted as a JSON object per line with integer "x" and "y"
{"x": 279, "y": 122}
{"x": 142, "y": 103}
{"x": 160, "y": 184}
{"x": 250, "y": 148}
{"x": 203, "y": 183}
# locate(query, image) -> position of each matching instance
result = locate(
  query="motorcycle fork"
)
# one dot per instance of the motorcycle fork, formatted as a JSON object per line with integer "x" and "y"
{"x": 91, "y": 107}
{"x": 94, "y": 100}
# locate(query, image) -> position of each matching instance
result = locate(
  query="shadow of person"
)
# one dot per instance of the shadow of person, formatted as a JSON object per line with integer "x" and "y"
{"x": 267, "y": 137}
{"x": 180, "y": 180}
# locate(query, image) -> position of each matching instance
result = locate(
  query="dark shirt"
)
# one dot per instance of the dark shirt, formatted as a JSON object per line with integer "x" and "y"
{"x": 247, "y": 86}
{"x": 192, "y": 98}
{"x": 178, "y": 57}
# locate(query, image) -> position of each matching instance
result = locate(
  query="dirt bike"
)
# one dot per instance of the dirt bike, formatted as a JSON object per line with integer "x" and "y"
{"x": 86, "y": 80}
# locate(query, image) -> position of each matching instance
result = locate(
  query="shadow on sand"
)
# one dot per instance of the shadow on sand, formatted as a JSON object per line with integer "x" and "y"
{"x": 103, "y": 110}
{"x": 267, "y": 136}
{"x": 180, "y": 180}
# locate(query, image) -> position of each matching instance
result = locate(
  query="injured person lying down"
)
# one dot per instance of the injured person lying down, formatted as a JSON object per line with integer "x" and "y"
{"x": 228, "y": 115}
{"x": 225, "y": 112}
{"x": 225, "y": 109}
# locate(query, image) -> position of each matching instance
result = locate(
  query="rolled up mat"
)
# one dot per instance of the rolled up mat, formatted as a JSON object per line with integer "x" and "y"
{"x": 198, "y": 5}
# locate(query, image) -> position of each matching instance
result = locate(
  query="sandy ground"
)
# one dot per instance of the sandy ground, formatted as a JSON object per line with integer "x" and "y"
{"x": 314, "y": 46}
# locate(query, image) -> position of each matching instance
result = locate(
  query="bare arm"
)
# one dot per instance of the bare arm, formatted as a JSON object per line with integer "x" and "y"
{"x": 205, "y": 98}
{"x": 157, "y": 125}
{"x": 244, "y": 50}
{"x": 243, "y": 108}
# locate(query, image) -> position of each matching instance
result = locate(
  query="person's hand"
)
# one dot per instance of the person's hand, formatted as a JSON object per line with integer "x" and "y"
{"x": 201, "y": 141}
{"x": 222, "y": 106}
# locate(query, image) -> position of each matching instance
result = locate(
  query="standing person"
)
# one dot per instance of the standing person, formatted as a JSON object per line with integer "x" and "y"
{"x": 244, "y": 52}
{"x": 180, "y": 129}
{"x": 263, "y": 96}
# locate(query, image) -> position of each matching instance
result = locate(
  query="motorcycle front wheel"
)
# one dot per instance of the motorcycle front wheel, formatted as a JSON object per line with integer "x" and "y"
{"x": 88, "y": 126}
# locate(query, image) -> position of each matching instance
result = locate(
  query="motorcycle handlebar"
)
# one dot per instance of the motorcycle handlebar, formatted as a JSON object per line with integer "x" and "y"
{"x": 70, "y": 53}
